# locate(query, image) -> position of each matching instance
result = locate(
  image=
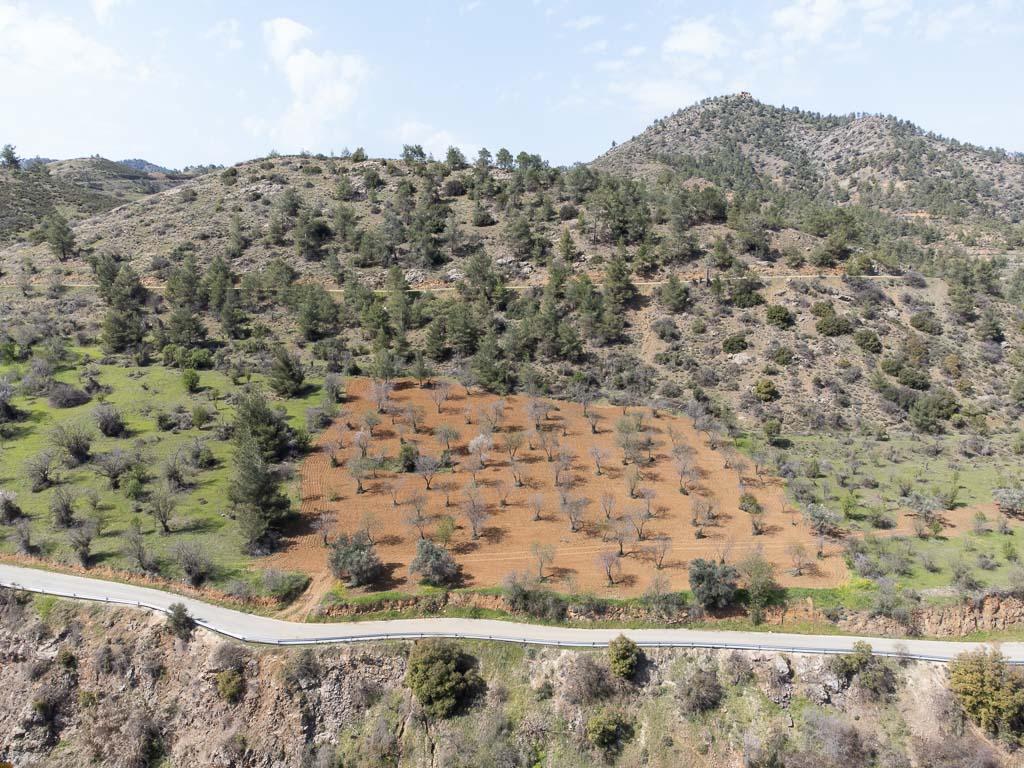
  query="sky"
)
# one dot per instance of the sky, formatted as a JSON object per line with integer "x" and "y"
{"x": 185, "y": 82}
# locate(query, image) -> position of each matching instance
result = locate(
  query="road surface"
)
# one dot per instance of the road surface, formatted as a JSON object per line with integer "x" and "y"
{"x": 261, "y": 629}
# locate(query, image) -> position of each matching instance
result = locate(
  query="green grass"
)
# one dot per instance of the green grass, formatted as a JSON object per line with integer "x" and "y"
{"x": 139, "y": 393}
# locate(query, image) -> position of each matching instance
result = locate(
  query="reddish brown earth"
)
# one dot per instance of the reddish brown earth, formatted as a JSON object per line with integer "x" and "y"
{"x": 505, "y": 541}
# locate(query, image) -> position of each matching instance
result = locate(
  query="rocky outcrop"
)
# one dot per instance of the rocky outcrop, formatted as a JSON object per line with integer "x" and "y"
{"x": 989, "y": 613}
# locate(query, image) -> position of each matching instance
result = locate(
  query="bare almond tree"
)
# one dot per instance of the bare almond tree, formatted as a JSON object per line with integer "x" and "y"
{"x": 659, "y": 550}
{"x": 391, "y": 489}
{"x": 413, "y": 416}
{"x": 608, "y": 504}
{"x": 380, "y": 393}
{"x": 516, "y": 470}
{"x": 563, "y": 466}
{"x": 609, "y": 563}
{"x": 370, "y": 525}
{"x": 600, "y": 456}
{"x": 446, "y": 487}
{"x": 417, "y": 516}
{"x": 513, "y": 443}
{"x": 445, "y": 436}
{"x": 323, "y": 521}
{"x": 536, "y": 505}
{"x": 621, "y": 532}
{"x": 503, "y": 489}
{"x": 572, "y": 508}
{"x": 476, "y": 514}
{"x": 633, "y": 479}
{"x": 544, "y": 554}
{"x": 798, "y": 556}
{"x": 493, "y": 415}
{"x": 362, "y": 441}
{"x": 440, "y": 394}
{"x": 639, "y": 518}
{"x": 426, "y": 467}
{"x": 593, "y": 418}
{"x": 548, "y": 442}
{"x": 480, "y": 447}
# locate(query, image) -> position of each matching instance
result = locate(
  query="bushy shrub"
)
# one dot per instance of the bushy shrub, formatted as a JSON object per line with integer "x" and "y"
{"x": 354, "y": 560}
{"x": 623, "y": 657}
{"x": 990, "y": 691}
{"x": 699, "y": 690}
{"x": 607, "y": 729}
{"x": 441, "y": 676}
{"x": 713, "y": 584}
{"x": 66, "y": 396}
{"x": 230, "y": 685}
{"x": 779, "y": 316}
{"x": 434, "y": 565}
{"x": 284, "y": 586}
{"x": 109, "y": 420}
{"x": 868, "y": 340}
{"x": 734, "y": 344}
{"x": 179, "y": 622}
{"x": 585, "y": 680}
{"x": 834, "y": 325}
{"x": 10, "y": 511}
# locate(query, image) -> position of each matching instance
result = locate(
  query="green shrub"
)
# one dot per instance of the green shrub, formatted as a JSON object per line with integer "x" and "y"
{"x": 779, "y": 316}
{"x": 734, "y": 344}
{"x": 990, "y": 691}
{"x": 190, "y": 380}
{"x": 623, "y": 657}
{"x": 179, "y": 622}
{"x": 926, "y": 322}
{"x": 834, "y": 325}
{"x": 607, "y": 729}
{"x": 713, "y": 584}
{"x": 441, "y": 677}
{"x": 868, "y": 340}
{"x": 230, "y": 685}
{"x": 766, "y": 391}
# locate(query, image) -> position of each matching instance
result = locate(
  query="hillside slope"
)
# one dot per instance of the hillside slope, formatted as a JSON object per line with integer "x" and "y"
{"x": 881, "y": 161}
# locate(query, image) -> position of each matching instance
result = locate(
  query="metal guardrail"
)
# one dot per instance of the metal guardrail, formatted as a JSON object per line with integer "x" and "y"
{"x": 286, "y": 642}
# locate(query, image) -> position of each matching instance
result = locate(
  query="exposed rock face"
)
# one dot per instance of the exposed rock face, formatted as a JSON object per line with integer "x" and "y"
{"x": 120, "y": 687}
{"x": 93, "y": 685}
{"x": 986, "y": 614}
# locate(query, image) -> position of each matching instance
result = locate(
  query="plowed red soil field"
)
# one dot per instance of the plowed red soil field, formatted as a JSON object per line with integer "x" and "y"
{"x": 506, "y": 538}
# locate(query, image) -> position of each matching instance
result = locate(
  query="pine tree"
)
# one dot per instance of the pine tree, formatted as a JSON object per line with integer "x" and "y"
{"x": 286, "y": 376}
{"x": 618, "y": 287}
{"x": 490, "y": 369}
{"x": 256, "y": 419}
{"x": 255, "y": 493}
{"x": 124, "y": 324}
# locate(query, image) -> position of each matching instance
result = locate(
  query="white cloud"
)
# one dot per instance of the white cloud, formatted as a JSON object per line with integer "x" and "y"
{"x": 636, "y": 50}
{"x": 43, "y": 50}
{"x": 878, "y": 14}
{"x": 598, "y": 46}
{"x": 584, "y": 22}
{"x": 323, "y": 85}
{"x": 282, "y": 35}
{"x": 659, "y": 97}
{"x": 808, "y": 20}
{"x": 226, "y": 33}
{"x": 102, "y": 9}
{"x": 610, "y": 65}
{"x": 697, "y": 37}
{"x": 940, "y": 23}
{"x": 434, "y": 140}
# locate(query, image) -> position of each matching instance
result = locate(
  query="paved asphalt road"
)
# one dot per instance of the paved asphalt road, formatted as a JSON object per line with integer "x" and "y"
{"x": 260, "y": 629}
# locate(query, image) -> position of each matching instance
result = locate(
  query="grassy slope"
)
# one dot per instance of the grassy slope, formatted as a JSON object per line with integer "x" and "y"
{"x": 139, "y": 393}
